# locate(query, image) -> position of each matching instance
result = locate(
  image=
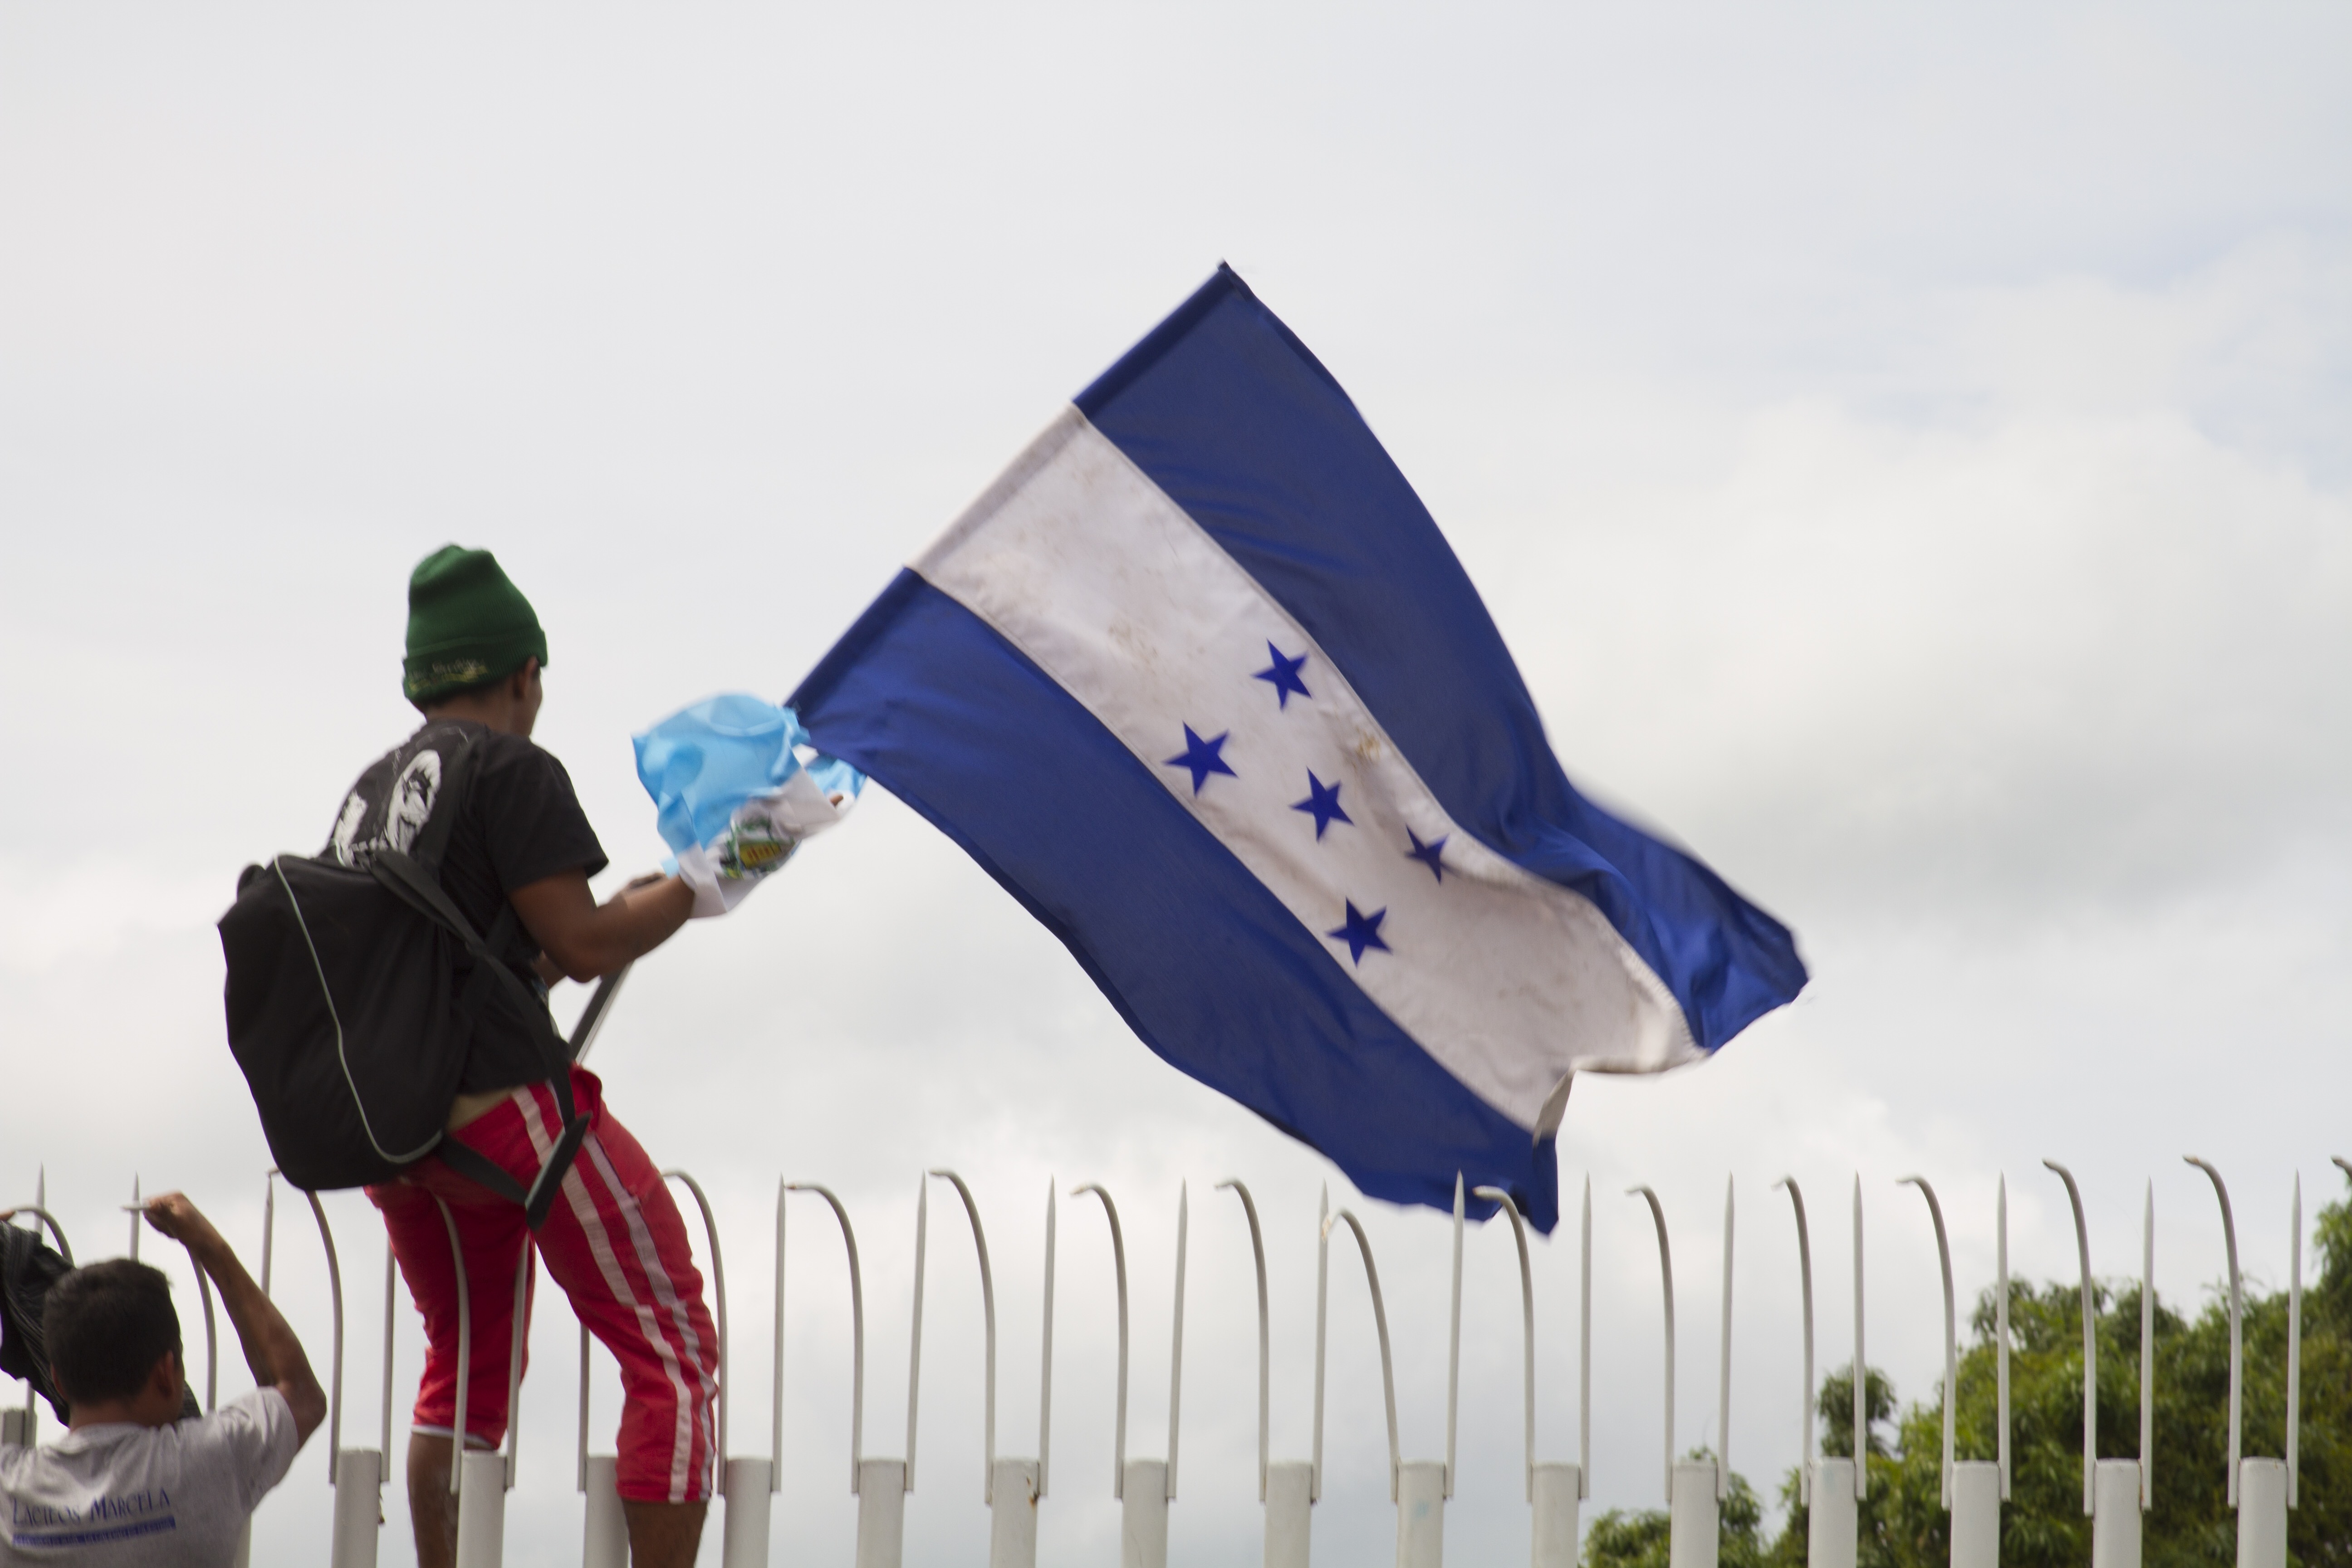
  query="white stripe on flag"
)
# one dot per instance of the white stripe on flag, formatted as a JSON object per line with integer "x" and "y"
{"x": 1508, "y": 981}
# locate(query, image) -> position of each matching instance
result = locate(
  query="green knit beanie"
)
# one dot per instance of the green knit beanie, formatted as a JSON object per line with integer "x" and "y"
{"x": 467, "y": 625}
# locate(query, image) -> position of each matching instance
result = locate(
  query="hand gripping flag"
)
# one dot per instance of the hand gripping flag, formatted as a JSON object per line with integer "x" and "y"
{"x": 1199, "y": 682}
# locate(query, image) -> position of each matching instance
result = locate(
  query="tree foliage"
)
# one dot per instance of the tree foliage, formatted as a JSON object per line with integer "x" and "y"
{"x": 1902, "y": 1523}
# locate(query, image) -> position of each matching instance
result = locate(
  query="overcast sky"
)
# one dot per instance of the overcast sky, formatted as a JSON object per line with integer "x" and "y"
{"x": 1907, "y": 452}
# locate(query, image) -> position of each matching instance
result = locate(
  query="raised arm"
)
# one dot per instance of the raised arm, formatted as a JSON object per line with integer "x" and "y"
{"x": 586, "y": 940}
{"x": 270, "y": 1348}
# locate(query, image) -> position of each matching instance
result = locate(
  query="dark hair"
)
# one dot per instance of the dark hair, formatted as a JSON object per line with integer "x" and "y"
{"x": 107, "y": 1326}
{"x": 487, "y": 684}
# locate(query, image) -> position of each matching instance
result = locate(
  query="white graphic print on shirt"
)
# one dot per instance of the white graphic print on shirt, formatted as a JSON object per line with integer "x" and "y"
{"x": 395, "y": 826}
{"x": 121, "y": 1496}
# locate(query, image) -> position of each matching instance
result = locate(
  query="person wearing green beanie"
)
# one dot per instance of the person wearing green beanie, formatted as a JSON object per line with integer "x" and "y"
{"x": 516, "y": 864}
{"x": 467, "y": 625}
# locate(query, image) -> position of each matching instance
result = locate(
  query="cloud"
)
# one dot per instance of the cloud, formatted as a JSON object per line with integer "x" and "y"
{"x": 2073, "y": 646}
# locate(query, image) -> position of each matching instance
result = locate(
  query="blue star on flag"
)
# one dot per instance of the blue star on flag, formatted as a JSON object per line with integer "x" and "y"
{"x": 1322, "y": 803}
{"x": 1283, "y": 674}
{"x": 1202, "y": 758}
{"x": 1362, "y": 930}
{"x": 1427, "y": 853}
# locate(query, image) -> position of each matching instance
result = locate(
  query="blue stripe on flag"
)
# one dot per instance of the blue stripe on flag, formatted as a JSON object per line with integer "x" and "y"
{"x": 1240, "y": 424}
{"x": 1202, "y": 962}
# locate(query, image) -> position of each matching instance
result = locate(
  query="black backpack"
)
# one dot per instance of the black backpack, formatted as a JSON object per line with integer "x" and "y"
{"x": 28, "y": 1269}
{"x": 352, "y": 999}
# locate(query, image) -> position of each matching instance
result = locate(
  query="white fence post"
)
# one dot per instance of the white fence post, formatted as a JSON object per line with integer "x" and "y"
{"x": 1285, "y": 1488}
{"x": 1144, "y": 1487}
{"x": 1551, "y": 1489}
{"x": 2126, "y": 1486}
{"x": 1421, "y": 1514}
{"x": 2115, "y": 1516}
{"x": 1289, "y": 1513}
{"x": 1972, "y": 1488}
{"x": 1015, "y": 1487}
{"x": 1554, "y": 1530}
{"x": 2260, "y": 1490}
{"x": 879, "y": 1485}
{"x": 1694, "y": 1516}
{"x": 356, "y": 1475}
{"x": 481, "y": 1508}
{"x": 605, "y": 1543}
{"x": 746, "y": 1484}
{"x": 881, "y": 1513}
{"x": 1012, "y": 1514}
{"x": 1979, "y": 1488}
{"x": 359, "y": 1508}
{"x": 2261, "y": 1513}
{"x": 1830, "y": 1538}
{"x": 479, "y": 1480}
{"x": 1976, "y": 1513}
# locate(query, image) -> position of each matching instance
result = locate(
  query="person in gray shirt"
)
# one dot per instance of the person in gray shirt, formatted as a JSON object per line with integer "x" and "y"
{"x": 133, "y": 1482}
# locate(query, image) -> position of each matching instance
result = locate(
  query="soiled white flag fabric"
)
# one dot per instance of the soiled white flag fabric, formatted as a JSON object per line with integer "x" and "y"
{"x": 736, "y": 796}
{"x": 1199, "y": 681}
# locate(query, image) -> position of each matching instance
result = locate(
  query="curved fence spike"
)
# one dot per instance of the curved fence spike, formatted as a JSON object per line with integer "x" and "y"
{"x": 1502, "y": 1199}
{"x": 464, "y": 1345}
{"x": 1176, "y": 1344}
{"x": 1584, "y": 1349}
{"x": 1381, "y": 1324}
{"x": 1805, "y": 1454}
{"x": 776, "y": 1372}
{"x": 1265, "y": 1336}
{"x": 517, "y": 1327}
{"x": 856, "y": 1324}
{"x": 1951, "y": 1332}
{"x": 718, "y": 1290}
{"x": 988, "y": 1320}
{"x": 2237, "y": 1328}
{"x": 2148, "y": 1352}
{"x": 1046, "y": 1358}
{"x": 268, "y": 1226}
{"x": 1723, "y": 1375}
{"x": 1861, "y": 1366}
{"x": 1322, "y": 1300}
{"x": 1453, "y": 1341}
{"x": 915, "y": 1324}
{"x": 1118, "y": 1263}
{"x": 49, "y": 1221}
{"x": 391, "y": 1278}
{"x": 335, "y": 1291}
{"x": 2294, "y": 1344}
{"x": 2090, "y": 1347}
{"x": 2001, "y": 1333}
{"x": 1666, "y": 1276}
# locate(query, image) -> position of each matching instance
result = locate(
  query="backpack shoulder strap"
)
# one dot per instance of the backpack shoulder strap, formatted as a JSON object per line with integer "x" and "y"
{"x": 421, "y": 890}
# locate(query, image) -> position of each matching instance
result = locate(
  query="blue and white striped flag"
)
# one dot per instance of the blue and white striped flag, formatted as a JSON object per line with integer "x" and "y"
{"x": 1199, "y": 681}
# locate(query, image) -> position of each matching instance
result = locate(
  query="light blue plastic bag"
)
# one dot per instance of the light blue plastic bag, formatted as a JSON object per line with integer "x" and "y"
{"x": 702, "y": 763}
{"x": 732, "y": 797}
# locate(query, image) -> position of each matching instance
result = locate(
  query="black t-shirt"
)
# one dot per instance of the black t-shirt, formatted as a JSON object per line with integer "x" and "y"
{"x": 520, "y": 822}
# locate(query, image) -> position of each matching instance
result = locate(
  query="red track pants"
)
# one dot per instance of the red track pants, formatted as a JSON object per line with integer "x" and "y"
{"x": 613, "y": 1241}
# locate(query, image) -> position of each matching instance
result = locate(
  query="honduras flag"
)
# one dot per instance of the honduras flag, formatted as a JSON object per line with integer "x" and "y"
{"x": 1199, "y": 682}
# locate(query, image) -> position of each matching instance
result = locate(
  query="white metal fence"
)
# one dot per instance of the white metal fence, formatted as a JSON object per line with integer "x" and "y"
{"x": 2116, "y": 1492}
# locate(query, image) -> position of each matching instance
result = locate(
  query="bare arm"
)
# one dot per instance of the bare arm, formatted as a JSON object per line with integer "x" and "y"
{"x": 586, "y": 940}
{"x": 270, "y": 1348}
